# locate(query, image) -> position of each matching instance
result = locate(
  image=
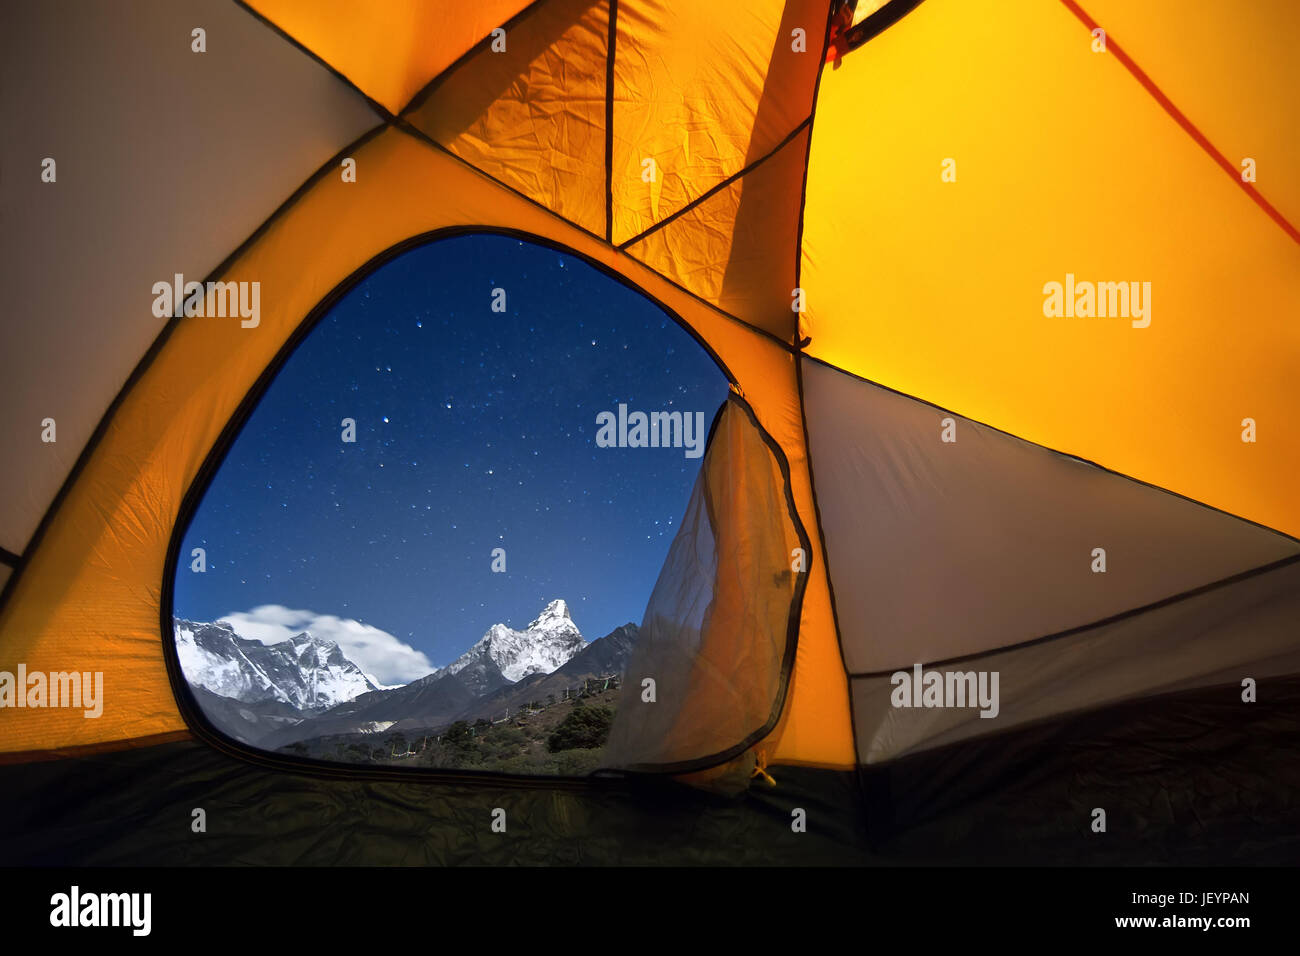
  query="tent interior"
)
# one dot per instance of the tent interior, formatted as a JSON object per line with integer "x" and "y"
{"x": 1003, "y": 313}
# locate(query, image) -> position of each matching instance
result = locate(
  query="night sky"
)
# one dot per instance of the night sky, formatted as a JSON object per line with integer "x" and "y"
{"x": 475, "y": 430}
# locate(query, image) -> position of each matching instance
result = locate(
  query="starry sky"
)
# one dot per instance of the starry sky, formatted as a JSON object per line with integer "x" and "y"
{"x": 475, "y": 430}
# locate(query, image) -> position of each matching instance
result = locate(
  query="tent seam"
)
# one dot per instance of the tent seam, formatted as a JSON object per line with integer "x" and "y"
{"x": 610, "y": 53}
{"x": 718, "y": 187}
{"x": 826, "y": 557}
{"x": 1102, "y": 622}
{"x": 414, "y": 131}
{"x": 423, "y": 93}
{"x": 807, "y": 158}
{"x": 383, "y": 111}
{"x": 1055, "y": 451}
{"x": 803, "y": 408}
{"x": 146, "y": 361}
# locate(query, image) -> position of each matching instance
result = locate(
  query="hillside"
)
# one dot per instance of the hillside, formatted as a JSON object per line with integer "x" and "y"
{"x": 516, "y": 745}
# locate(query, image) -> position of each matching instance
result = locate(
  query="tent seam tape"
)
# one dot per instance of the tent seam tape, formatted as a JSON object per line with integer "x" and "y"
{"x": 1055, "y": 451}
{"x": 155, "y": 348}
{"x": 803, "y": 409}
{"x": 86, "y": 751}
{"x": 807, "y": 159}
{"x": 718, "y": 187}
{"x": 383, "y": 111}
{"x": 422, "y": 137}
{"x": 423, "y": 93}
{"x": 826, "y": 557}
{"x": 610, "y": 52}
{"x": 1178, "y": 598}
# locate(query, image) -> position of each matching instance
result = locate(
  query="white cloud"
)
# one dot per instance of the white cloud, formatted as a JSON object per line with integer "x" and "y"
{"x": 378, "y": 653}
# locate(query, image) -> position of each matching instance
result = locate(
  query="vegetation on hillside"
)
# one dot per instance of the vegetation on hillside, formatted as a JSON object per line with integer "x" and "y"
{"x": 552, "y": 738}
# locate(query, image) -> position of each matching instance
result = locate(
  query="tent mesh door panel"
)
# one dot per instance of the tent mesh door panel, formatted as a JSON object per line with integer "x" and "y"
{"x": 717, "y": 639}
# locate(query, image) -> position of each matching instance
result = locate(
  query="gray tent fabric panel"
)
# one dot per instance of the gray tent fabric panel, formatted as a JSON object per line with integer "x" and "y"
{"x": 102, "y": 88}
{"x": 940, "y": 549}
{"x": 1247, "y": 629}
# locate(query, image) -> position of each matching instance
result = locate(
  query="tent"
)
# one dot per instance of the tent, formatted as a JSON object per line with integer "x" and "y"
{"x": 1008, "y": 297}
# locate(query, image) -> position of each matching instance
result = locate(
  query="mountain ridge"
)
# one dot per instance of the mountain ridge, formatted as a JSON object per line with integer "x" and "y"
{"x": 503, "y": 654}
{"x": 306, "y": 672}
{"x": 505, "y": 669}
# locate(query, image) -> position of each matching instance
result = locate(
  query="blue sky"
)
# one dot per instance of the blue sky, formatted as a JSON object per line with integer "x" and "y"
{"x": 475, "y": 430}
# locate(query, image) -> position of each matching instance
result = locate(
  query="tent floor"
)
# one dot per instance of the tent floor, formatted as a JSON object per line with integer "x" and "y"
{"x": 1196, "y": 778}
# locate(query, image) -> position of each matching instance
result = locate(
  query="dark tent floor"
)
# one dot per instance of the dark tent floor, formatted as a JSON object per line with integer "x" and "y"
{"x": 1196, "y": 778}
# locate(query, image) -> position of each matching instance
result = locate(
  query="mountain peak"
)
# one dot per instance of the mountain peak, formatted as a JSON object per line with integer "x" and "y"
{"x": 557, "y": 610}
{"x": 506, "y": 654}
{"x": 303, "y": 671}
{"x": 306, "y": 637}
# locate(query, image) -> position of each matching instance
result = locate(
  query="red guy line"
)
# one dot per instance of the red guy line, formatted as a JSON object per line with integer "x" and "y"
{"x": 1114, "y": 48}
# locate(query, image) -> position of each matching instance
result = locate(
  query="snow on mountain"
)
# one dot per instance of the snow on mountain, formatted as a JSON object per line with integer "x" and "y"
{"x": 600, "y": 658}
{"x": 305, "y": 672}
{"x": 504, "y": 654}
{"x": 306, "y": 687}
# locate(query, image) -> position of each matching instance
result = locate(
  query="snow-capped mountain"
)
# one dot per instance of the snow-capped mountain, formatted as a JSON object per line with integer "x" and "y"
{"x": 600, "y": 658}
{"x": 504, "y": 655}
{"x": 273, "y": 695}
{"x": 305, "y": 672}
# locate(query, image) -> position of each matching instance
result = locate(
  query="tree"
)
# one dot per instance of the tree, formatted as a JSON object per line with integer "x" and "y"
{"x": 457, "y": 735}
{"x": 585, "y": 728}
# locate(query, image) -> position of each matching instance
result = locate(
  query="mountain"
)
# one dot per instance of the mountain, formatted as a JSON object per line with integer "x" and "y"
{"x": 603, "y": 657}
{"x": 440, "y": 695}
{"x": 502, "y": 658}
{"x": 274, "y": 695}
{"x": 249, "y": 723}
{"x": 506, "y": 656}
{"x": 305, "y": 672}
{"x": 428, "y": 702}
